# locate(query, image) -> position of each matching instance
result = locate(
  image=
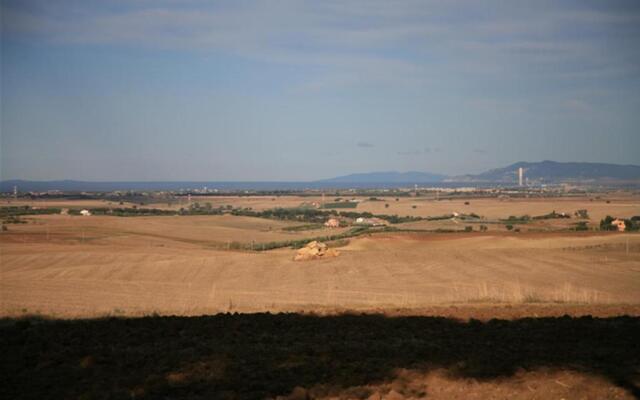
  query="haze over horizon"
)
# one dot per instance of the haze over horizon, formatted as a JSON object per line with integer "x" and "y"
{"x": 300, "y": 91}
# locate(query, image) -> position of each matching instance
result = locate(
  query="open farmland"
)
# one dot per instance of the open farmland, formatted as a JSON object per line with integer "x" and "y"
{"x": 622, "y": 205}
{"x": 99, "y": 265}
{"x": 461, "y": 314}
{"x": 216, "y": 231}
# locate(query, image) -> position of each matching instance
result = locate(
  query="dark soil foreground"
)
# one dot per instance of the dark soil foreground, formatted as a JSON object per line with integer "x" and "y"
{"x": 254, "y": 356}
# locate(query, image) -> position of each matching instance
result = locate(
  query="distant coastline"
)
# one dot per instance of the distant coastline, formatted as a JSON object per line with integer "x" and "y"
{"x": 88, "y": 186}
{"x": 535, "y": 174}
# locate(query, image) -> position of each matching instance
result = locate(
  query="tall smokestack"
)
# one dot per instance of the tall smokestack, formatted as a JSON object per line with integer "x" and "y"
{"x": 520, "y": 175}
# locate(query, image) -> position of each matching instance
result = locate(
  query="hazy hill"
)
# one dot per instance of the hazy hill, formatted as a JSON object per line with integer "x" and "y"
{"x": 536, "y": 172}
{"x": 387, "y": 177}
{"x": 552, "y": 171}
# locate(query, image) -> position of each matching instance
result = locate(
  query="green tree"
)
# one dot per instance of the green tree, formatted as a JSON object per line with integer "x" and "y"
{"x": 605, "y": 224}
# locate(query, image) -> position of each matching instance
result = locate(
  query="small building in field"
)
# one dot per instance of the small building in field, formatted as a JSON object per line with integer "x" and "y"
{"x": 332, "y": 223}
{"x": 619, "y": 224}
{"x": 85, "y": 213}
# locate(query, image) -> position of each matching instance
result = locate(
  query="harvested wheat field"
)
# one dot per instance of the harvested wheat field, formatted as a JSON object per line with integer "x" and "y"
{"x": 541, "y": 313}
{"x": 82, "y": 267}
{"x": 623, "y": 205}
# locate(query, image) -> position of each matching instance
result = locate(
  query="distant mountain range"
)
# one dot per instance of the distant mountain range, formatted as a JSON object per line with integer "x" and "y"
{"x": 388, "y": 177}
{"x": 555, "y": 172}
{"x": 535, "y": 172}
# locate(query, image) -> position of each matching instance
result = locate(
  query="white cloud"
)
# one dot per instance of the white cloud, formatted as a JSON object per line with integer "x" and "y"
{"x": 409, "y": 43}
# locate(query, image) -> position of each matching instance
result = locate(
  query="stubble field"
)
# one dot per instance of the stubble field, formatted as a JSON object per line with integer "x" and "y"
{"x": 75, "y": 266}
{"x": 145, "y": 307}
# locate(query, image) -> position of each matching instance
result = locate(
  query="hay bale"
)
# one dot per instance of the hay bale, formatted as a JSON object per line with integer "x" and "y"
{"x": 314, "y": 250}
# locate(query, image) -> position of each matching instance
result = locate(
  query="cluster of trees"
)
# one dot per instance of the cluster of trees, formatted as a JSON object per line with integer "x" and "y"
{"x": 125, "y": 211}
{"x": 313, "y": 215}
{"x": 469, "y": 216}
{"x": 523, "y": 219}
{"x": 287, "y": 214}
{"x": 204, "y": 209}
{"x": 340, "y": 204}
{"x": 15, "y": 211}
{"x": 583, "y": 214}
{"x": 11, "y": 214}
{"x": 552, "y": 215}
{"x": 438, "y": 217}
{"x": 194, "y": 209}
{"x": 12, "y": 219}
{"x": 296, "y": 244}
{"x": 581, "y": 226}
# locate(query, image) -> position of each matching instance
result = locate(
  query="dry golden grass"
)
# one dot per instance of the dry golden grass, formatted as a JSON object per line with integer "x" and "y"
{"x": 623, "y": 204}
{"x": 87, "y": 266}
{"x": 215, "y": 231}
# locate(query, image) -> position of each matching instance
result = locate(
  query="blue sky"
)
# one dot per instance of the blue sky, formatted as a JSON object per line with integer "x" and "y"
{"x": 296, "y": 90}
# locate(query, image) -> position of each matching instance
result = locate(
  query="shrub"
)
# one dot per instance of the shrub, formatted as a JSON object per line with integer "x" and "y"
{"x": 468, "y": 228}
{"x": 520, "y": 220}
{"x": 582, "y": 214}
{"x": 581, "y": 226}
{"x": 552, "y": 215}
{"x": 26, "y": 210}
{"x": 631, "y": 225}
{"x": 341, "y": 204}
{"x": 13, "y": 219}
{"x": 509, "y": 227}
{"x": 605, "y": 224}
